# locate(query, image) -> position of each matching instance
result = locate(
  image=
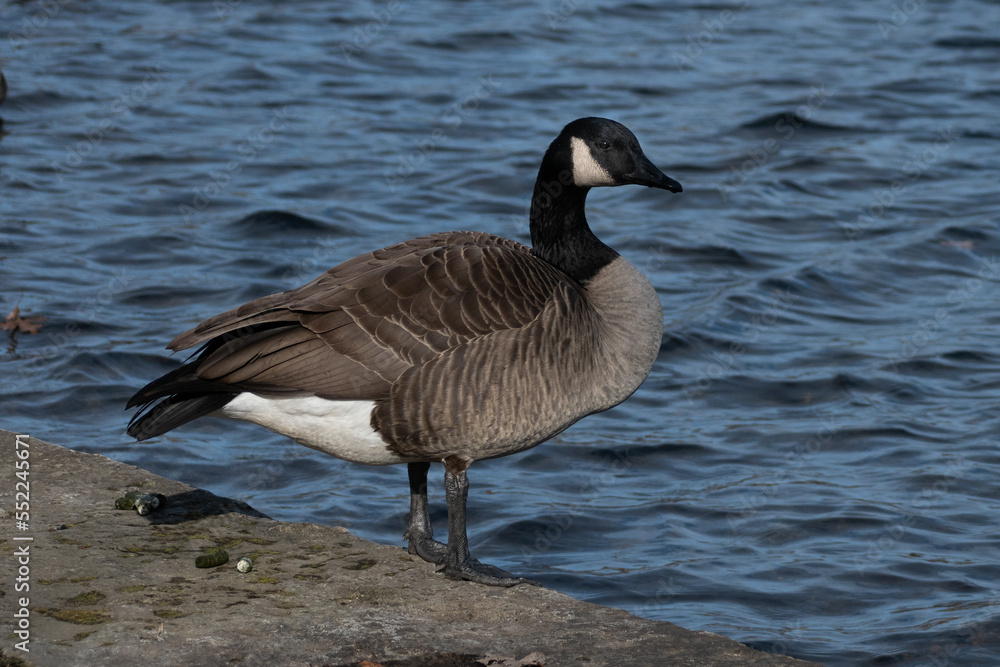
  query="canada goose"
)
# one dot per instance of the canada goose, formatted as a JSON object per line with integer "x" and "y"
{"x": 451, "y": 348}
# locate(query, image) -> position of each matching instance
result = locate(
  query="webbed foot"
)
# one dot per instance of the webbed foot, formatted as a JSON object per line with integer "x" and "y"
{"x": 426, "y": 547}
{"x": 482, "y": 573}
{"x": 419, "y": 533}
{"x": 459, "y": 563}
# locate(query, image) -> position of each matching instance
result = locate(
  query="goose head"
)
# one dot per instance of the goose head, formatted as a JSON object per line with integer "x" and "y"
{"x": 588, "y": 153}
{"x": 598, "y": 152}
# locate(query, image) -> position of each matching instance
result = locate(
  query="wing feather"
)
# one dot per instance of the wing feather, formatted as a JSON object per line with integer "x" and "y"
{"x": 354, "y": 330}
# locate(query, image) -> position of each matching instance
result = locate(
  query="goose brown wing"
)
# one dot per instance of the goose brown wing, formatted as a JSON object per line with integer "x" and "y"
{"x": 350, "y": 333}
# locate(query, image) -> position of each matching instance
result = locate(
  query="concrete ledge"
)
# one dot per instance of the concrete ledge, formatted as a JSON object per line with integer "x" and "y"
{"x": 111, "y": 587}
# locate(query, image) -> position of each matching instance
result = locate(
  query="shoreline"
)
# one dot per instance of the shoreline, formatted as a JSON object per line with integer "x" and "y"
{"x": 105, "y": 585}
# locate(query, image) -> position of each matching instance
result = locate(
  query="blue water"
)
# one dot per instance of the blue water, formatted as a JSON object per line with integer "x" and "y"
{"x": 812, "y": 466}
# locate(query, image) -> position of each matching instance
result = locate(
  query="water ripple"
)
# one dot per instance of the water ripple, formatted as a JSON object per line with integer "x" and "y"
{"x": 811, "y": 466}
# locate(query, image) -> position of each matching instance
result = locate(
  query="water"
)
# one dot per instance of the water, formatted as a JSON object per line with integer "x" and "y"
{"x": 812, "y": 466}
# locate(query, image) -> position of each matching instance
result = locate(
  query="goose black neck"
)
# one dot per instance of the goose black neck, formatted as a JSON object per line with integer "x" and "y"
{"x": 559, "y": 231}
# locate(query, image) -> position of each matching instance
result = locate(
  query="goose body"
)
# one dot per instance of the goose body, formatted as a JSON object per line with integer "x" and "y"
{"x": 452, "y": 347}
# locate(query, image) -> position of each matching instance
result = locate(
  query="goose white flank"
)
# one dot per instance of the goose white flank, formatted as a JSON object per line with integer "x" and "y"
{"x": 449, "y": 348}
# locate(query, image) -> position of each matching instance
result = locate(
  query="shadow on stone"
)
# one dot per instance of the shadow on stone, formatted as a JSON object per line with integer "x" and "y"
{"x": 198, "y": 504}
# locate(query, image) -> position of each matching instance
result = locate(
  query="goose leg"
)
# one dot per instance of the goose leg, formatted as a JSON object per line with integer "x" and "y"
{"x": 419, "y": 532}
{"x": 459, "y": 563}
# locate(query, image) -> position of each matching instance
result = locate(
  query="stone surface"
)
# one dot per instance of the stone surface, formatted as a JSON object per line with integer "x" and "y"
{"x": 111, "y": 587}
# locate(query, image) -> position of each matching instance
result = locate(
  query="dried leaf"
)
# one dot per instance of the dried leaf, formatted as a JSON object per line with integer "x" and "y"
{"x": 17, "y": 324}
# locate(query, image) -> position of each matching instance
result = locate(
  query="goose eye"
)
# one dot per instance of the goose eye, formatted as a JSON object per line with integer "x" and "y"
{"x": 604, "y": 144}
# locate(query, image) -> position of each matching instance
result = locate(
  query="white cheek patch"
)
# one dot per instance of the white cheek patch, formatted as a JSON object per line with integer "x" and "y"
{"x": 586, "y": 172}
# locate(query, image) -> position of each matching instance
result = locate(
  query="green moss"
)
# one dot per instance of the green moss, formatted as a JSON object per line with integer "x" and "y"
{"x": 63, "y": 580}
{"x": 227, "y": 545}
{"x": 362, "y": 564}
{"x": 69, "y": 541}
{"x": 12, "y": 660}
{"x": 86, "y": 598}
{"x": 128, "y": 552}
{"x": 78, "y": 616}
{"x": 170, "y": 613}
{"x": 80, "y": 636}
{"x": 317, "y": 547}
{"x": 259, "y": 540}
{"x": 132, "y": 589}
{"x": 267, "y": 580}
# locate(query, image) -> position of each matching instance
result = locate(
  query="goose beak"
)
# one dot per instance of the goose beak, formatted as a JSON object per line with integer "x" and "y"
{"x": 648, "y": 174}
